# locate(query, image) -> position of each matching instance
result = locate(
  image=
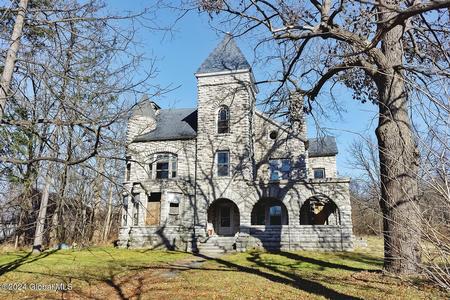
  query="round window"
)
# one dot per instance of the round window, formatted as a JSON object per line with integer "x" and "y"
{"x": 273, "y": 134}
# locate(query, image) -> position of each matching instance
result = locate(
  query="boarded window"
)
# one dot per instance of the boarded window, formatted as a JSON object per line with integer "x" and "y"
{"x": 153, "y": 209}
{"x": 174, "y": 208}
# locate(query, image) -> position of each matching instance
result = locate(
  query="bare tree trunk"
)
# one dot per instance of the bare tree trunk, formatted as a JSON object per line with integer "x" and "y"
{"x": 95, "y": 218}
{"x": 18, "y": 230}
{"x": 108, "y": 214}
{"x": 40, "y": 222}
{"x": 11, "y": 56}
{"x": 399, "y": 160}
{"x": 398, "y": 168}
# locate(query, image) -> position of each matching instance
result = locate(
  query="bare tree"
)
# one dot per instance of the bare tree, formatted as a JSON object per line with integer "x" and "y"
{"x": 383, "y": 50}
{"x": 73, "y": 79}
{"x": 11, "y": 55}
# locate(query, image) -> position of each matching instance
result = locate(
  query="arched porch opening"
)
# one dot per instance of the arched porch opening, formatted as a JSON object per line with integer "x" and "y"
{"x": 223, "y": 218}
{"x": 319, "y": 210}
{"x": 269, "y": 212}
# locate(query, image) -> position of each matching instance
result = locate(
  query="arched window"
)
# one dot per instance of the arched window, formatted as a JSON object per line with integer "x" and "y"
{"x": 163, "y": 166}
{"x": 223, "y": 120}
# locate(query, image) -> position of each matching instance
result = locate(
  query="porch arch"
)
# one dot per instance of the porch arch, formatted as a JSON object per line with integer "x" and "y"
{"x": 269, "y": 212}
{"x": 319, "y": 210}
{"x": 223, "y": 218}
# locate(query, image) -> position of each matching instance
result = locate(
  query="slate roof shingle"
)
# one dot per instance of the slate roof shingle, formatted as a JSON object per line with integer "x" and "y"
{"x": 172, "y": 124}
{"x": 324, "y": 146}
{"x": 225, "y": 57}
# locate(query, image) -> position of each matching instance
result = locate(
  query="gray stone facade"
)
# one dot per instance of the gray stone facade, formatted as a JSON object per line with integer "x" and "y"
{"x": 197, "y": 184}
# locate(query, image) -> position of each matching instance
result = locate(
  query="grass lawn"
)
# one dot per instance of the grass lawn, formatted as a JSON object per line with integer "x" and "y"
{"x": 108, "y": 273}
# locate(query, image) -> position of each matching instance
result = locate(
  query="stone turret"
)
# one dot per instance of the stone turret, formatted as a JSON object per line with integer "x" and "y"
{"x": 142, "y": 119}
{"x": 225, "y": 80}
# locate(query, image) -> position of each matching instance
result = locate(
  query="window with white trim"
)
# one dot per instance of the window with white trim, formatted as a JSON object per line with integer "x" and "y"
{"x": 163, "y": 166}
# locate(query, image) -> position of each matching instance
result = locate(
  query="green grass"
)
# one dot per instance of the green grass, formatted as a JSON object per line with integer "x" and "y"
{"x": 107, "y": 273}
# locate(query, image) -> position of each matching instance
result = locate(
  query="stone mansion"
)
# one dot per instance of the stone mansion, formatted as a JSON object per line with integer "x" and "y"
{"x": 225, "y": 176}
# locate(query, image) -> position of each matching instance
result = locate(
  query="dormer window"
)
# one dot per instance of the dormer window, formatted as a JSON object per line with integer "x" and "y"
{"x": 223, "y": 120}
{"x": 163, "y": 166}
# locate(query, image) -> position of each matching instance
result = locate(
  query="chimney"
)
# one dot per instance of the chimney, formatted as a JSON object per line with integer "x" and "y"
{"x": 296, "y": 115}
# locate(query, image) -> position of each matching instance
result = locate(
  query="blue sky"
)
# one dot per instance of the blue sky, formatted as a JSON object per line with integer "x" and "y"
{"x": 179, "y": 53}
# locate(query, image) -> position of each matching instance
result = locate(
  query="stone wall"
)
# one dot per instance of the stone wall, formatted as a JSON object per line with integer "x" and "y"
{"x": 141, "y": 154}
{"x": 285, "y": 145}
{"x": 326, "y": 162}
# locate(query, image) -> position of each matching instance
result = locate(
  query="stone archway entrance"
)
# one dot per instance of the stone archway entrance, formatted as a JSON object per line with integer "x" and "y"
{"x": 223, "y": 218}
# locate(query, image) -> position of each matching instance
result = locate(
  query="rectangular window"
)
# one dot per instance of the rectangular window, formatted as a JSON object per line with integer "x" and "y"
{"x": 174, "y": 208}
{"x": 174, "y": 167}
{"x": 153, "y": 216}
{"x": 319, "y": 173}
{"x": 280, "y": 168}
{"x": 162, "y": 170}
{"x": 165, "y": 165}
{"x": 223, "y": 163}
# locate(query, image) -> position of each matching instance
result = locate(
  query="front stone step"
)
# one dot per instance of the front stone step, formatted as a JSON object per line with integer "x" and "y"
{"x": 217, "y": 244}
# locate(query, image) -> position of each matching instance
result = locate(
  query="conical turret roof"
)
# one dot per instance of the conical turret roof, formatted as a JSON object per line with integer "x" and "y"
{"x": 225, "y": 57}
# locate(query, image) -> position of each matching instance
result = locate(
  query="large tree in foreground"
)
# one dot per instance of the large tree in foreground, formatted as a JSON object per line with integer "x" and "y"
{"x": 386, "y": 51}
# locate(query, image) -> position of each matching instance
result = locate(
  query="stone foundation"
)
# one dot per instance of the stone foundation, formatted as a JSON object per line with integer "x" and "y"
{"x": 271, "y": 238}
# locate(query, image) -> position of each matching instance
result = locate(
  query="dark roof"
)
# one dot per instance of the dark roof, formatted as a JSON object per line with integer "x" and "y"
{"x": 324, "y": 146}
{"x": 172, "y": 124}
{"x": 226, "y": 57}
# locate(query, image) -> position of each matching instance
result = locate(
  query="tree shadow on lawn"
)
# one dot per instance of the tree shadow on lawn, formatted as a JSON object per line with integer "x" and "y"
{"x": 376, "y": 262}
{"x": 25, "y": 259}
{"x": 125, "y": 286}
{"x": 360, "y": 258}
{"x": 285, "y": 278}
